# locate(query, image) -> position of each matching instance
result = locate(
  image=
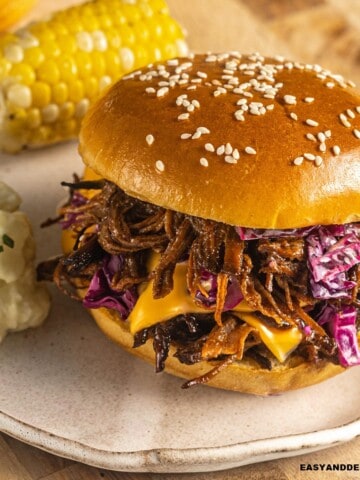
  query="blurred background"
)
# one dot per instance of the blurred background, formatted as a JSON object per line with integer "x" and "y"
{"x": 316, "y": 31}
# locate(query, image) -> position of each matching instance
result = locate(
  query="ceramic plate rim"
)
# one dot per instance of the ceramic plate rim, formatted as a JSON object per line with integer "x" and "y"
{"x": 172, "y": 460}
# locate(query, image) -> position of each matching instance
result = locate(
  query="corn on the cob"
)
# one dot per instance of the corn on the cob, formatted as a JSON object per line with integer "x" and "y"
{"x": 52, "y": 70}
{"x": 12, "y": 11}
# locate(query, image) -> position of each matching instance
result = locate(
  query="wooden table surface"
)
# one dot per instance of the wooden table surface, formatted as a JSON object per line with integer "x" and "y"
{"x": 314, "y": 31}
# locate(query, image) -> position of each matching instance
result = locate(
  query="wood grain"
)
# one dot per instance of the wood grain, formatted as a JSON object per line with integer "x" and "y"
{"x": 316, "y": 31}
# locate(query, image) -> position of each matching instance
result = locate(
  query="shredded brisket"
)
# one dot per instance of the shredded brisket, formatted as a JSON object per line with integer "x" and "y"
{"x": 272, "y": 275}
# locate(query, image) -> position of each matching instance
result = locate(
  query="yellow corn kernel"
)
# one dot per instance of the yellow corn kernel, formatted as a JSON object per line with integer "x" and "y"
{"x": 41, "y": 94}
{"x": 67, "y": 111}
{"x": 51, "y": 71}
{"x": 33, "y": 119}
{"x": 59, "y": 93}
{"x": 34, "y": 57}
{"x": 23, "y": 73}
{"x": 76, "y": 90}
{"x": 91, "y": 87}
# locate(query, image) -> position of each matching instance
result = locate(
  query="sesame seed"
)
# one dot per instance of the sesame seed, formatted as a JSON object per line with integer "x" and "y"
{"x": 183, "y": 116}
{"x": 185, "y": 136}
{"x": 219, "y": 91}
{"x": 209, "y": 147}
{"x": 180, "y": 99}
{"x": 236, "y": 154}
{"x": 173, "y": 62}
{"x": 220, "y": 150}
{"x": 322, "y": 147}
{"x": 203, "y": 130}
{"x": 190, "y": 108}
{"x": 201, "y": 74}
{"x": 270, "y": 107}
{"x": 327, "y": 133}
{"x": 293, "y": 116}
{"x": 228, "y": 149}
{"x": 298, "y": 160}
{"x": 350, "y": 113}
{"x": 196, "y": 135}
{"x": 343, "y": 119}
{"x": 311, "y": 123}
{"x": 254, "y": 111}
{"x": 309, "y": 99}
{"x": 159, "y": 165}
{"x": 310, "y": 136}
{"x": 149, "y": 139}
{"x": 336, "y": 150}
{"x": 204, "y": 162}
{"x": 239, "y": 115}
{"x": 356, "y": 132}
{"x": 318, "y": 160}
{"x": 210, "y": 58}
{"x": 196, "y": 103}
{"x": 330, "y": 84}
{"x": 162, "y": 91}
{"x": 321, "y": 137}
{"x": 357, "y": 109}
{"x": 150, "y": 90}
{"x": 250, "y": 151}
{"x": 230, "y": 159}
{"x": 309, "y": 156}
{"x": 290, "y": 99}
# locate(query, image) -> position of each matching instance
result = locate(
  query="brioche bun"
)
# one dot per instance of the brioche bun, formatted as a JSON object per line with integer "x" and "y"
{"x": 290, "y": 160}
{"x": 306, "y": 110}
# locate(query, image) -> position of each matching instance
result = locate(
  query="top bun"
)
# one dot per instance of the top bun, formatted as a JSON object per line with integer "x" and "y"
{"x": 240, "y": 139}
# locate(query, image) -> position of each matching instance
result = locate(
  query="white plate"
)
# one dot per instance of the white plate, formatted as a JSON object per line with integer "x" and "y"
{"x": 67, "y": 389}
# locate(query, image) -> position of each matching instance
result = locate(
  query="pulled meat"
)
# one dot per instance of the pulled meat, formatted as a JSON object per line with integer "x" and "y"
{"x": 272, "y": 275}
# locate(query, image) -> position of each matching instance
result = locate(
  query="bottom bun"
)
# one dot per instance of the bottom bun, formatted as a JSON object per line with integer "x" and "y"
{"x": 245, "y": 376}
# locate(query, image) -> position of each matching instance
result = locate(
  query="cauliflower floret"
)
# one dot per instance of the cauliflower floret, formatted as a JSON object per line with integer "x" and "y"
{"x": 24, "y": 302}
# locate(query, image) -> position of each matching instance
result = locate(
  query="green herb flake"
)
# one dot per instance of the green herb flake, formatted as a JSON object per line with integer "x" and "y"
{"x": 8, "y": 241}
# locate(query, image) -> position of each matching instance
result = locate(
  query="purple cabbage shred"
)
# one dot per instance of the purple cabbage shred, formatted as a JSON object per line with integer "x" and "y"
{"x": 341, "y": 323}
{"x": 209, "y": 284}
{"x": 101, "y": 294}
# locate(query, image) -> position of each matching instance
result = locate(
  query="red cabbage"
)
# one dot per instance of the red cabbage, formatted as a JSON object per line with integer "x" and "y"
{"x": 101, "y": 294}
{"x": 209, "y": 284}
{"x": 77, "y": 200}
{"x": 256, "y": 233}
{"x": 341, "y": 323}
{"x": 246, "y": 233}
{"x": 329, "y": 259}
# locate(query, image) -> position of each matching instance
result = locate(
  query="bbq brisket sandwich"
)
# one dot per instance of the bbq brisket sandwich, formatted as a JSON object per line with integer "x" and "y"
{"x": 219, "y": 237}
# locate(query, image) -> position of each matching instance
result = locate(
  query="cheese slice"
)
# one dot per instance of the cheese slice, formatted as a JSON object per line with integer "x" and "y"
{"x": 149, "y": 311}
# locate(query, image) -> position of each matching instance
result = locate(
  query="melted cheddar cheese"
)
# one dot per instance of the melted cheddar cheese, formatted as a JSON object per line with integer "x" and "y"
{"x": 149, "y": 311}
